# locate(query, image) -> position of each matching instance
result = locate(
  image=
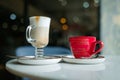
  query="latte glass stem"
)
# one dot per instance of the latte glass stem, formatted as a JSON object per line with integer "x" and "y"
{"x": 39, "y": 52}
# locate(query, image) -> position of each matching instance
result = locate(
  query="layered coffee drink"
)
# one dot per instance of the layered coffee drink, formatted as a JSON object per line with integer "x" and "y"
{"x": 37, "y": 33}
{"x": 41, "y": 36}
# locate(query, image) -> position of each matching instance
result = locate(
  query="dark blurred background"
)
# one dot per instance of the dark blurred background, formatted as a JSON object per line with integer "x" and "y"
{"x": 69, "y": 17}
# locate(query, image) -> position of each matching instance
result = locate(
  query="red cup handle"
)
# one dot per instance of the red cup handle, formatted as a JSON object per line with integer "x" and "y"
{"x": 101, "y": 47}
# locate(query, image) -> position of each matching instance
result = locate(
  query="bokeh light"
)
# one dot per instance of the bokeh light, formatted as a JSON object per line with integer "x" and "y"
{"x": 65, "y": 27}
{"x": 86, "y": 4}
{"x": 63, "y": 20}
{"x": 13, "y": 16}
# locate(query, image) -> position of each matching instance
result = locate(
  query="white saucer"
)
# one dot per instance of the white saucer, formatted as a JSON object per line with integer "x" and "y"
{"x": 43, "y": 61}
{"x": 71, "y": 59}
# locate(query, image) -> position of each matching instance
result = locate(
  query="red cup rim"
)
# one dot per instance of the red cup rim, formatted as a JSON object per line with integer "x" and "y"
{"x": 77, "y": 37}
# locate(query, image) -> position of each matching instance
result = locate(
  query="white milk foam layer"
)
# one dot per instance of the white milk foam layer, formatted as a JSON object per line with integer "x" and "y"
{"x": 40, "y": 21}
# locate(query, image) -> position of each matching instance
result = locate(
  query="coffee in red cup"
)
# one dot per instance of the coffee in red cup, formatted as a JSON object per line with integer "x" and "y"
{"x": 84, "y": 46}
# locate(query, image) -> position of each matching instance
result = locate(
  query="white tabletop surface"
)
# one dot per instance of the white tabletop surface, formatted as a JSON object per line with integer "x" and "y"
{"x": 108, "y": 70}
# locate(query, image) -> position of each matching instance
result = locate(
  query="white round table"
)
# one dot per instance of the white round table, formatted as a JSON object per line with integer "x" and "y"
{"x": 108, "y": 70}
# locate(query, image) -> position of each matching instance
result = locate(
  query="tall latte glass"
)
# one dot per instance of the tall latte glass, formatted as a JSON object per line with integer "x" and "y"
{"x": 37, "y": 34}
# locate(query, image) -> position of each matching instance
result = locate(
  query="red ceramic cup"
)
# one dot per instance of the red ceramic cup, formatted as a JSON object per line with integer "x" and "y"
{"x": 84, "y": 46}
